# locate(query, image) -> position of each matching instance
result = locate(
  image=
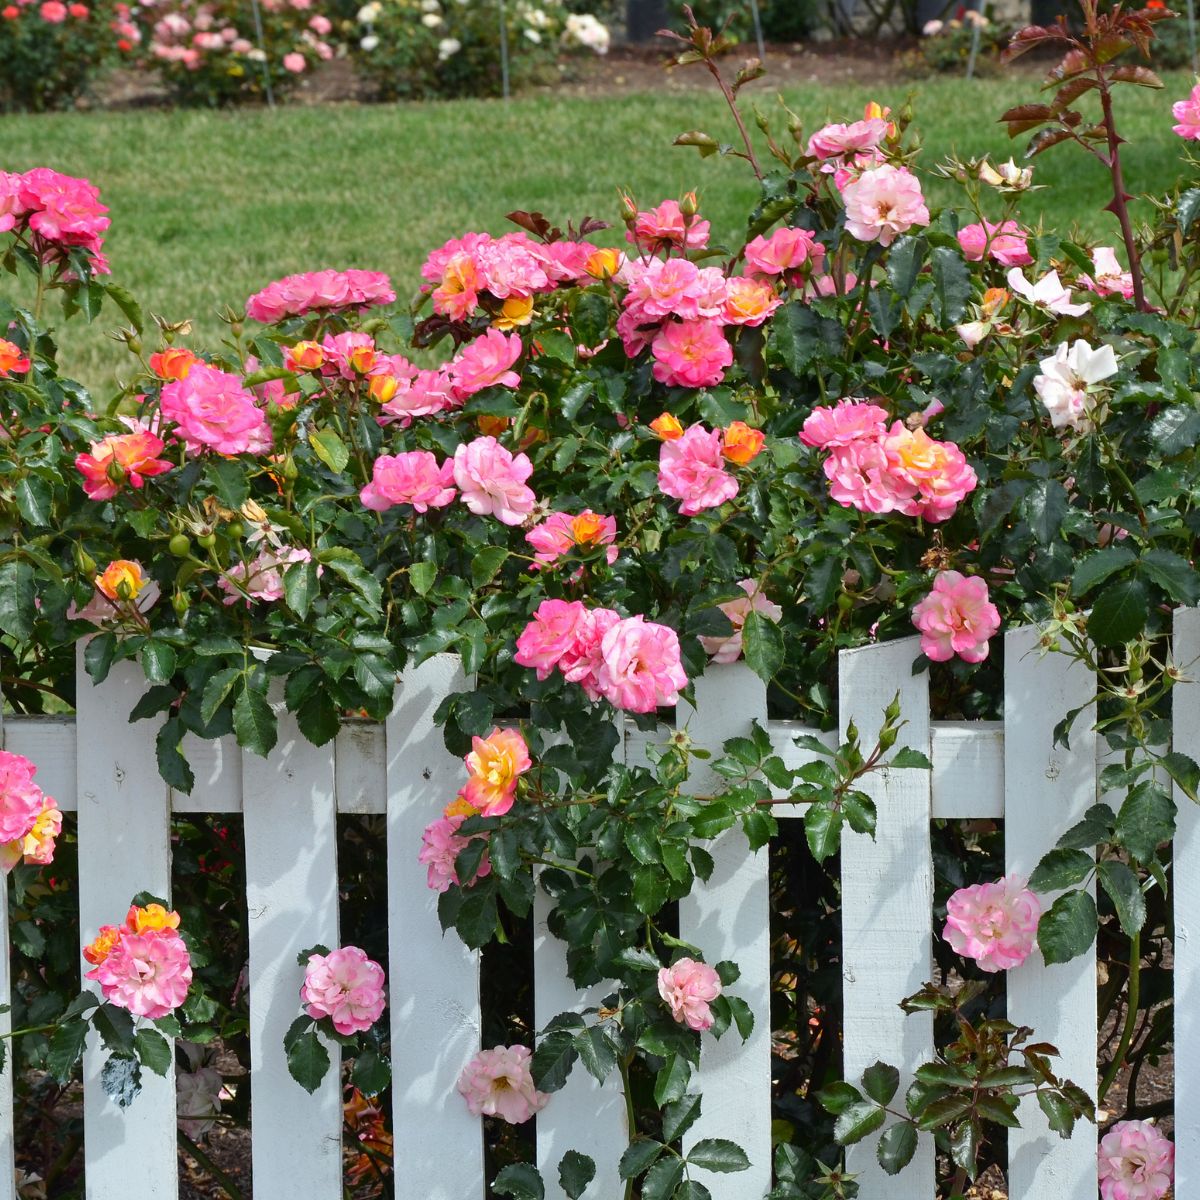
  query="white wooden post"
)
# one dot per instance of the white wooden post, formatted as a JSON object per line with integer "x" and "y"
{"x": 8, "y": 1141}
{"x": 1185, "y": 702}
{"x": 433, "y": 978}
{"x": 887, "y": 899}
{"x": 1046, "y": 790}
{"x": 729, "y": 918}
{"x": 290, "y": 815}
{"x": 124, "y": 848}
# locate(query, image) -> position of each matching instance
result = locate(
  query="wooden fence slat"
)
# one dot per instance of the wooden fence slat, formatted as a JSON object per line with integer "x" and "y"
{"x": 433, "y": 978}
{"x": 1046, "y": 790}
{"x": 887, "y": 900}
{"x": 124, "y": 848}
{"x": 729, "y": 918}
{"x": 1185, "y": 879}
{"x": 292, "y": 900}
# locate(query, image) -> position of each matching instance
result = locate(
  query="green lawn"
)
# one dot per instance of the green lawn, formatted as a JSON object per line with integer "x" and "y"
{"x": 208, "y": 207}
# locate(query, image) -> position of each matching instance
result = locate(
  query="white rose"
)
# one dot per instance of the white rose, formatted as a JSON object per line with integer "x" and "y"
{"x": 1067, "y": 379}
{"x": 369, "y": 42}
{"x": 533, "y": 36}
{"x": 448, "y": 48}
{"x": 431, "y": 20}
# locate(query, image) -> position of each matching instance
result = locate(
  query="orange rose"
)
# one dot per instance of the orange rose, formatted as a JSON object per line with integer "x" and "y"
{"x": 96, "y": 952}
{"x": 667, "y": 427}
{"x": 603, "y": 263}
{"x": 173, "y": 363}
{"x": 121, "y": 580}
{"x": 741, "y": 444}
{"x": 495, "y": 763}
{"x": 153, "y": 916}
{"x": 383, "y": 387}
{"x": 587, "y": 527}
{"x": 492, "y": 426}
{"x": 459, "y": 807}
{"x": 516, "y": 310}
{"x": 994, "y": 299}
{"x": 306, "y": 356}
{"x": 12, "y": 360}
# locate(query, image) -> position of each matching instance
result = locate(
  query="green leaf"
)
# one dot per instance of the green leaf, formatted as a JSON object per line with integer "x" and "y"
{"x": 906, "y": 757}
{"x": 1125, "y": 891}
{"x": 115, "y": 1027}
{"x": 553, "y": 1060}
{"x": 763, "y": 646}
{"x": 17, "y": 609}
{"x": 672, "y": 1080}
{"x": 638, "y": 1155}
{"x": 127, "y": 304}
{"x": 216, "y": 690}
{"x": 1185, "y": 771}
{"x": 649, "y": 889}
{"x": 880, "y": 1082}
{"x": 1119, "y": 613}
{"x": 1173, "y": 573}
{"x": 153, "y": 1050}
{"x": 718, "y": 1154}
{"x": 349, "y": 566}
{"x": 158, "y": 660}
{"x": 230, "y": 480}
{"x": 904, "y": 264}
{"x": 575, "y": 1172}
{"x": 1174, "y": 430}
{"x": 838, "y": 1096}
{"x": 34, "y": 499}
{"x": 66, "y": 1049}
{"x": 1146, "y": 820}
{"x": 1097, "y": 567}
{"x": 951, "y": 285}
{"x": 121, "y": 1079}
{"x": 823, "y": 829}
{"x": 486, "y": 564}
{"x": 596, "y": 1052}
{"x": 855, "y": 1122}
{"x": 172, "y": 766}
{"x": 860, "y": 812}
{"x": 375, "y": 675}
{"x": 897, "y": 1145}
{"x": 964, "y": 1146}
{"x": 330, "y": 449}
{"x": 662, "y": 1179}
{"x": 372, "y": 1072}
{"x": 254, "y": 722}
{"x": 1045, "y": 506}
{"x": 1187, "y": 210}
{"x": 308, "y": 1061}
{"x": 680, "y": 1116}
{"x": 691, "y": 1189}
{"x": 1096, "y": 827}
{"x": 521, "y": 1181}
{"x": 1069, "y": 928}
{"x": 1060, "y": 869}
{"x": 300, "y": 587}
{"x": 422, "y": 575}
{"x": 1059, "y": 1113}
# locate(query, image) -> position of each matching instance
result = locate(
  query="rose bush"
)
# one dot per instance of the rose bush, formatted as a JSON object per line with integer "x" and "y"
{"x": 589, "y": 463}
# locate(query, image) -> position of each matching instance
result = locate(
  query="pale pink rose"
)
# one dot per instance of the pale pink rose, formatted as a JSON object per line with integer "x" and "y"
{"x": 993, "y": 923}
{"x": 841, "y": 141}
{"x": 641, "y": 667}
{"x": 147, "y": 973}
{"x": 491, "y": 481}
{"x": 883, "y": 203}
{"x": 294, "y": 62}
{"x": 691, "y": 468}
{"x": 486, "y": 362}
{"x": 1187, "y": 114}
{"x": 956, "y": 618}
{"x": 1048, "y": 293}
{"x": 787, "y": 249}
{"x": 21, "y": 799}
{"x": 664, "y": 226}
{"x": 1068, "y": 379}
{"x": 1004, "y": 242}
{"x": 1108, "y": 279}
{"x": 413, "y": 477}
{"x": 1136, "y": 1162}
{"x": 552, "y": 631}
{"x": 688, "y": 988}
{"x": 828, "y": 285}
{"x": 345, "y": 986}
{"x": 672, "y": 287}
{"x": 320, "y": 25}
{"x": 564, "y": 261}
{"x": 319, "y": 291}
{"x": 262, "y": 577}
{"x": 441, "y": 846}
{"x": 728, "y": 648}
{"x": 509, "y": 266}
{"x": 847, "y": 421}
{"x": 691, "y": 354}
{"x": 213, "y": 411}
{"x": 499, "y": 1083}
{"x": 560, "y": 533}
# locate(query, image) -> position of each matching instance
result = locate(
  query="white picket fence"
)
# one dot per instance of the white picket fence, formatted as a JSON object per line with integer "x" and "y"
{"x": 104, "y": 768}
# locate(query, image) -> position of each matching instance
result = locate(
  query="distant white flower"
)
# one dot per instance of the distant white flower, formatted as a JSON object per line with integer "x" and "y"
{"x": 430, "y": 6}
{"x": 1067, "y": 379}
{"x": 432, "y": 20}
{"x": 932, "y": 28}
{"x": 533, "y": 36}
{"x": 975, "y": 18}
{"x": 583, "y": 29}
{"x": 369, "y": 13}
{"x": 1008, "y": 177}
{"x": 1048, "y": 293}
{"x": 256, "y": 55}
{"x": 448, "y": 48}
{"x": 369, "y": 43}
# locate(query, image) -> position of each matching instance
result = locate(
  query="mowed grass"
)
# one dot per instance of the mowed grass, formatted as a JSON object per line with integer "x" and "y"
{"x": 209, "y": 207}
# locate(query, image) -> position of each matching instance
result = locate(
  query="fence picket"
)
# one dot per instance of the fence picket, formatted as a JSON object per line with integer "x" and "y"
{"x": 292, "y": 901}
{"x": 887, "y": 900}
{"x": 124, "y": 848}
{"x": 729, "y": 916}
{"x": 433, "y": 977}
{"x": 1185, "y": 879}
{"x": 1046, "y": 790}
{"x": 8, "y": 1145}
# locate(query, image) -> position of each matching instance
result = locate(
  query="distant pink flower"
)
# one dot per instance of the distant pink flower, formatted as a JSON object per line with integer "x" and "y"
{"x": 1108, "y": 278}
{"x": 691, "y": 468}
{"x": 843, "y": 423}
{"x": 53, "y": 12}
{"x": 641, "y": 667}
{"x": 728, "y": 648}
{"x": 552, "y": 631}
{"x": 486, "y": 362}
{"x": 320, "y": 25}
{"x": 560, "y": 533}
{"x": 842, "y": 141}
{"x": 441, "y": 846}
{"x": 787, "y": 249}
{"x": 956, "y": 618}
{"x": 499, "y": 1083}
{"x": 664, "y": 226}
{"x": 491, "y": 480}
{"x": 213, "y": 410}
{"x": 1136, "y": 1162}
{"x": 1004, "y": 242}
{"x": 1048, "y": 293}
{"x": 1187, "y": 113}
{"x": 345, "y": 986}
{"x": 688, "y": 988}
{"x": 294, "y": 62}
{"x": 691, "y": 354}
{"x": 319, "y": 291}
{"x": 262, "y": 577}
{"x": 413, "y": 477}
{"x": 993, "y": 923}
{"x": 883, "y": 203}
{"x": 146, "y": 973}
{"x": 20, "y": 798}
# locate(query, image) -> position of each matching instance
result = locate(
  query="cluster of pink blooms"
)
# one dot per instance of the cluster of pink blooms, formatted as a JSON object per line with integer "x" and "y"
{"x": 995, "y": 924}
{"x": 499, "y": 1083}
{"x": 956, "y": 618}
{"x": 728, "y": 648}
{"x": 879, "y": 470}
{"x": 688, "y": 988}
{"x": 29, "y": 819}
{"x": 692, "y": 466}
{"x": 1187, "y": 114}
{"x": 262, "y": 577}
{"x": 213, "y": 410}
{"x": 320, "y": 292}
{"x": 1005, "y": 243}
{"x": 119, "y": 459}
{"x": 53, "y": 12}
{"x": 143, "y": 965}
{"x": 55, "y": 215}
{"x": 346, "y": 986}
{"x": 1136, "y": 1162}
{"x": 632, "y": 663}
{"x": 193, "y": 38}
{"x": 667, "y": 227}
{"x": 846, "y": 150}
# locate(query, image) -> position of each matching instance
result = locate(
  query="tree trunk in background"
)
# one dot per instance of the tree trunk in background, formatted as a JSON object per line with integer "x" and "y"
{"x": 644, "y": 18}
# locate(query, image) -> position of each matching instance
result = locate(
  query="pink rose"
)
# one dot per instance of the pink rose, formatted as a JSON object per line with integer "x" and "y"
{"x": 1108, "y": 278}
{"x": 422, "y": 395}
{"x": 691, "y": 468}
{"x": 560, "y": 533}
{"x": 691, "y": 353}
{"x": 262, "y": 577}
{"x": 664, "y": 226}
{"x": 147, "y": 973}
{"x": 213, "y": 410}
{"x": 883, "y": 203}
{"x": 294, "y": 62}
{"x": 20, "y": 798}
{"x": 441, "y": 846}
{"x": 413, "y": 477}
{"x": 641, "y": 667}
{"x": 1136, "y": 1161}
{"x": 846, "y": 422}
{"x": 499, "y": 1083}
{"x": 319, "y": 291}
{"x": 842, "y": 141}
{"x": 785, "y": 250}
{"x": 1187, "y": 114}
{"x": 53, "y": 12}
{"x": 1004, "y": 242}
{"x": 728, "y": 649}
{"x": 486, "y": 362}
{"x": 672, "y": 287}
{"x": 688, "y": 987}
{"x": 938, "y": 470}
{"x": 345, "y": 986}
{"x": 956, "y": 618}
{"x": 993, "y": 923}
{"x": 582, "y": 661}
{"x": 553, "y": 630}
{"x": 491, "y": 480}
